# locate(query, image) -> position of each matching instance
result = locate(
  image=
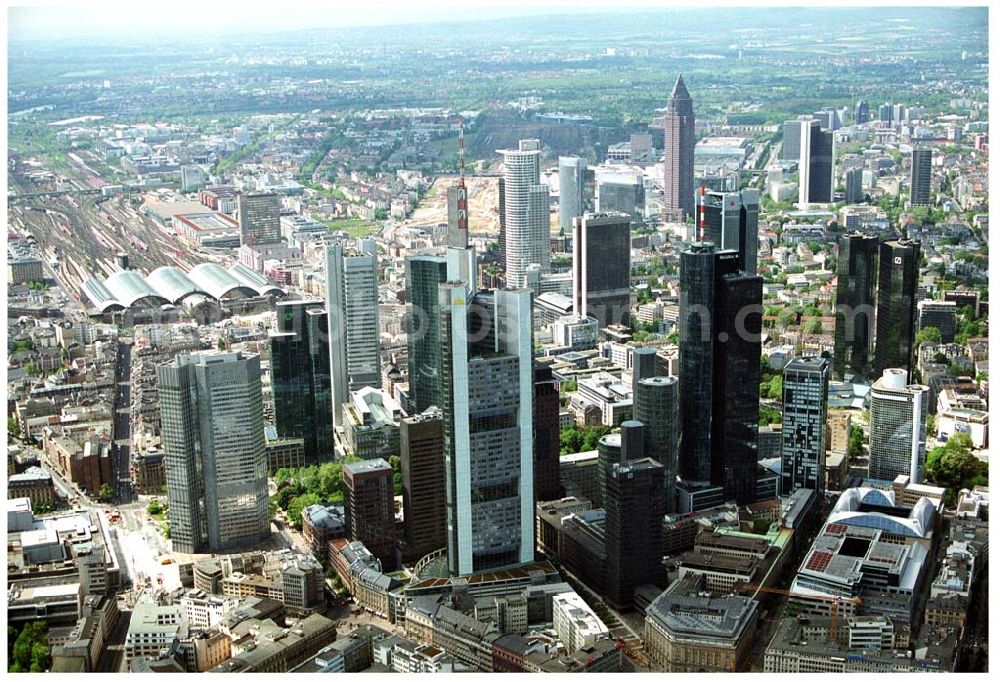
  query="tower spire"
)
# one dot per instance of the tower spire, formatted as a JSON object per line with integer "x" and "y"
{"x": 463, "y": 202}
{"x": 461, "y": 153}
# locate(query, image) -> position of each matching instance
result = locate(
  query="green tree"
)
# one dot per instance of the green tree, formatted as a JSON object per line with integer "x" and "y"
{"x": 30, "y": 652}
{"x": 286, "y": 494}
{"x": 297, "y": 505}
{"x": 953, "y": 466}
{"x": 774, "y": 388}
{"x": 769, "y": 415}
{"x": 13, "y": 427}
{"x": 331, "y": 480}
{"x": 221, "y": 344}
{"x": 569, "y": 386}
{"x": 105, "y": 494}
{"x": 786, "y": 317}
{"x": 573, "y": 439}
{"x": 927, "y": 335}
{"x": 283, "y": 475}
{"x": 857, "y": 440}
{"x": 814, "y": 326}
{"x": 957, "y": 370}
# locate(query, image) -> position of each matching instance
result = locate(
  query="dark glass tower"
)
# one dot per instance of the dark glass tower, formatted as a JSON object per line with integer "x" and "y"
{"x": 720, "y": 322}
{"x": 820, "y": 166}
{"x": 633, "y": 532}
{"x": 678, "y": 155}
{"x": 700, "y": 265}
{"x": 920, "y": 176}
{"x": 736, "y": 385}
{"x": 609, "y": 452}
{"x": 899, "y": 269}
{"x": 546, "y": 435}
{"x": 300, "y": 377}
{"x": 602, "y": 267}
{"x": 423, "y": 325}
{"x": 749, "y": 211}
{"x": 855, "y": 307}
{"x": 861, "y": 112}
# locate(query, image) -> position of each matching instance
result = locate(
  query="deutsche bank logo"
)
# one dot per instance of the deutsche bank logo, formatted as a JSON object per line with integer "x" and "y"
{"x": 898, "y": 260}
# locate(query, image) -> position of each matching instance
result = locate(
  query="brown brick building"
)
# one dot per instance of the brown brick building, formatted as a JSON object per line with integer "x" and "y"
{"x": 370, "y": 510}
{"x": 422, "y": 465}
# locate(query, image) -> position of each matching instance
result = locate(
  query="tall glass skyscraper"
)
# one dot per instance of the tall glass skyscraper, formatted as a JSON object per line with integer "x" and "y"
{"x": 300, "y": 377}
{"x": 633, "y": 532}
{"x": 526, "y": 208}
{"x": 602, "y": 261}
{"x": 423, "y": 329}
{"x": 488, "y": 413}
{"x": 488, "y": 417}
{"x": 352, "y": 318}
{"x": 572, "y": 180}
{"x": 699, "y": 267}
{"x": 898, "y": 421}
{"x": 855, "y": 308}
{"x": 861, "y": 112}
{"x": 736, "y": 384}
{"x": 655, "y": 404}
{"x": 803, "y": 426}
{"x": 211, "y": 409}
{"x": 719, "y": 336}
{"x": 898, "y": 272}
{"x": 815, "y": 156}
{"x": 920, "y": 176}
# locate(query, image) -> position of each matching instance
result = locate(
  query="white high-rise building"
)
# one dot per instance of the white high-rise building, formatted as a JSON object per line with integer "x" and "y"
{"x": 486, "y": 371}
{"x": 211, "y": 409}
{"x": 898, "y": 427}
{"x": 526, "y": 212}
{"x": 352, "y": 320}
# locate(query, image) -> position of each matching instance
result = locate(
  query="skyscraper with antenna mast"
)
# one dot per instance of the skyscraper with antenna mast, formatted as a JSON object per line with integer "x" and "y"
{"x": 458, "y": 200}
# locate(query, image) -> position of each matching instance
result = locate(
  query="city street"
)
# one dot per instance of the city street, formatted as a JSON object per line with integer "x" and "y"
{"x": 145, "y": 549}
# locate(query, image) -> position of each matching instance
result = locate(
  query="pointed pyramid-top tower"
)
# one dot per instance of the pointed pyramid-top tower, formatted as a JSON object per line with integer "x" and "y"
{"x": 680, "y": 90}
{"x": 678, "y": 155}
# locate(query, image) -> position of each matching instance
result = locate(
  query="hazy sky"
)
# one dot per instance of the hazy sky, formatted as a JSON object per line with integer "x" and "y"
{"x": 171, "y": 18}
{"x": 115, "y": 19}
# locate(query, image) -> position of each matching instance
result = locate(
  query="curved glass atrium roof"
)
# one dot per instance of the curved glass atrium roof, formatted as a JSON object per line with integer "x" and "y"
{"x": 170, "y": 285}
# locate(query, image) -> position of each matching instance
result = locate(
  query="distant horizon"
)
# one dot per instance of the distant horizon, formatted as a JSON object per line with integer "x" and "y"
{"x": 104, "y": 22}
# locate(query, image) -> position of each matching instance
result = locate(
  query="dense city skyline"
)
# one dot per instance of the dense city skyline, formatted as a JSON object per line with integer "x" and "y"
{"x": 526, "y": 340}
